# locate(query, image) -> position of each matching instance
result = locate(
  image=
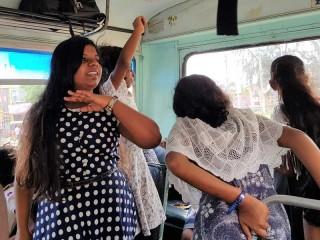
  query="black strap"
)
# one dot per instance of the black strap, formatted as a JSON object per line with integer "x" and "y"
{"x": 227, "y": 19}
{"x": 70, "y": 28}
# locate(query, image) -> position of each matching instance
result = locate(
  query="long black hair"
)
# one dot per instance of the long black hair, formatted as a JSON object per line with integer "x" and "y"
{"x": 300, "y": 106}
{"x": 197, "y": 96}
{"x": 39, "y": 168}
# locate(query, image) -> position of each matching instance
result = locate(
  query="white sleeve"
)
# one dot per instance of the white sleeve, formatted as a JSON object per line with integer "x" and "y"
{"x": 108, "y": 89}
{"x": 189, "y": 193}
{"x": 122, "y": 92}
{"x": 230, "y": 151}
{"x": 278, "y": 116}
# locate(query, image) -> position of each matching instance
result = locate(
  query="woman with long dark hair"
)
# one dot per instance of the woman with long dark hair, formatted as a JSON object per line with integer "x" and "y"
{"x": 227, "y": 154}
{"x": 298, "y": 108}
{"x": 68, "y": 155}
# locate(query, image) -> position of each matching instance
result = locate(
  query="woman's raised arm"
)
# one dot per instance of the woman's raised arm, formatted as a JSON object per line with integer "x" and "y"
{"x": 127, "y": 52}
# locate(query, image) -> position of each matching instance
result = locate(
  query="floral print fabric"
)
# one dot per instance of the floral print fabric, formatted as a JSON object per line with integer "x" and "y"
{"x": 213, "y": 222}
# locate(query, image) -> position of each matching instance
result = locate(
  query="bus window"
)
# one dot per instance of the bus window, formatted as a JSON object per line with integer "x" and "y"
{"x": 244, "y": 73}
{"x": 15, "y": 102}
{"x": 23, "y": 77}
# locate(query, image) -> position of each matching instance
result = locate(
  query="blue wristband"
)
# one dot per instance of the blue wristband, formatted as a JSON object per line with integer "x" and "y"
{"x": 236, "y": 203}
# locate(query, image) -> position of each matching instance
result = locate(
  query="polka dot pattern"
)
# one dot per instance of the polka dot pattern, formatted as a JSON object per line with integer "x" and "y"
{"x": 103, "y": 209}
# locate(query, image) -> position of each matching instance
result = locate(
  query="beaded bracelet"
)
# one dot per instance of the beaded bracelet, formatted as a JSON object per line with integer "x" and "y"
{"x": 236, "y": 203}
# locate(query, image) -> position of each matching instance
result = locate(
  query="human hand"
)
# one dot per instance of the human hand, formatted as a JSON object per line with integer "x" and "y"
{"x": 95, "y": 102}
{"x": 139, "y": 24}
{"x": 253, "y": 217}
{"x": 286, "y": 168}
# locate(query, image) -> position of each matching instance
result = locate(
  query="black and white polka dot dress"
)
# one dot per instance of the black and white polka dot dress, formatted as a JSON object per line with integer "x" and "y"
{"x": 102, "y": 209}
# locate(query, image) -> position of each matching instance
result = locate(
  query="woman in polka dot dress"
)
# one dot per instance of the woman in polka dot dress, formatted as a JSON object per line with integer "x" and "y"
{"x": 68, "y": 156}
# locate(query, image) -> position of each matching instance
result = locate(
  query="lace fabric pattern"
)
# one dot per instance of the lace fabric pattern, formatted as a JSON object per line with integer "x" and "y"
{"x": 149, "y": 206}
{"x": 238, "y": 147}
{"x": 279, "y": 116}
{"x": 122, "y": 93}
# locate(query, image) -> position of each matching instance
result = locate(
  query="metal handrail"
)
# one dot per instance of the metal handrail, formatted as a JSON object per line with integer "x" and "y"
{"x": 50, "y": 23}
{"x": 157, "y": 164}
{"x": 293, "y": 201}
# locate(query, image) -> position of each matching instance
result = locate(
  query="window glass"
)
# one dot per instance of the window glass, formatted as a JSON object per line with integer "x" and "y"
{"x": 16, "y": 64}
{"x": 15, "y": 101}
{"x": 244, "y": 73}
{"x": 18, "y": 71}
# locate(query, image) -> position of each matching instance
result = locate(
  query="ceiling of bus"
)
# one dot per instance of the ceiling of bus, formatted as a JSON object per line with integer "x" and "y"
{"x": 122, "y": 13}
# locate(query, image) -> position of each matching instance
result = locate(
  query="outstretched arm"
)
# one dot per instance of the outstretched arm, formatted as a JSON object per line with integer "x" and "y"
{"x": 126, "y": 55}
{"x": 135, "y": 126}
{"x": 253, "y": 214}
{"x": 304, "y": 148}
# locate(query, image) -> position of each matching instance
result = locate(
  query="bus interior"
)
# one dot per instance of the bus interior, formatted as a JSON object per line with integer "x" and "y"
{"x": 181, "y": 39}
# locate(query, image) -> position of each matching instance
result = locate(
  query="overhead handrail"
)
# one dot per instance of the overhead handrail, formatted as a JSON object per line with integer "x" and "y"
{"x": 50, "y": 23}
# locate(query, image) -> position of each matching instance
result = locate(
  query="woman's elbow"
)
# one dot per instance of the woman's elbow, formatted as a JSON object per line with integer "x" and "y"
{"x": 172, "y": 163}
{"x": 151, "y": 138}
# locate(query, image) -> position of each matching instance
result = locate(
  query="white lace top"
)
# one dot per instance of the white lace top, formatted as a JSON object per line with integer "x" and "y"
{"x": 279, "y": 116}
{"x": 239, "y": 146}
{"x": 134, "y": 164}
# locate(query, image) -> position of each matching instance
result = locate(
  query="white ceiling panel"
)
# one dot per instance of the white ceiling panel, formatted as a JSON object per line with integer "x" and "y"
{"x": 123, "y": 12}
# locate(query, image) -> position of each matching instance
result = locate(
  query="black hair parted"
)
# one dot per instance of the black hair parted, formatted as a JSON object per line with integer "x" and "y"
{"x": 197, "y": 96}
{"x": 66, "y": 59}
